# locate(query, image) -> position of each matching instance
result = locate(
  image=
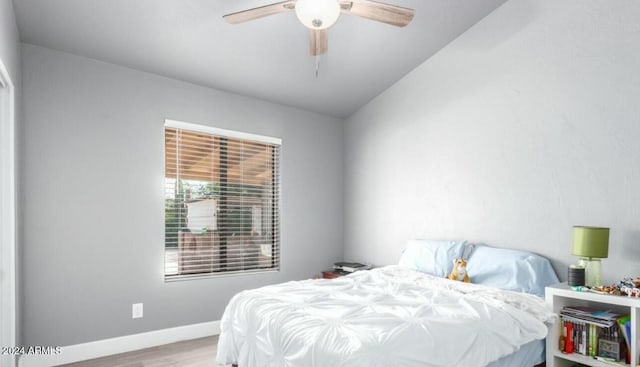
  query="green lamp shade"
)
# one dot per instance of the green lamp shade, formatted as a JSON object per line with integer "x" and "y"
{"x": 590, "y": 242}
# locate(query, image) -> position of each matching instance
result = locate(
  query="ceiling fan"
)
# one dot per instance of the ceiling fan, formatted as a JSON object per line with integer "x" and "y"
{"x": 318, "y": 15}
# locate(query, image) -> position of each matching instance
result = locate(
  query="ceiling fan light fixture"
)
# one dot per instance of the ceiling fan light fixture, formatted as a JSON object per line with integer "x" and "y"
{"x": 318, "y": 14}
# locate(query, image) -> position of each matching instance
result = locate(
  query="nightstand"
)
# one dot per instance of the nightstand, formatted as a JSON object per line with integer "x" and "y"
{"x": 331, "y": 274}
{"x": 561, "y": 295}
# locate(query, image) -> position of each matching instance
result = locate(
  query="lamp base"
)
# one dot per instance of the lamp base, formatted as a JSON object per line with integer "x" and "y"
{"x": 592, "y": 271}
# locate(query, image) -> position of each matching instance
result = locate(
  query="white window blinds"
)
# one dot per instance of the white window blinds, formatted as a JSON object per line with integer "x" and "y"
{"x": 222, "y": 191}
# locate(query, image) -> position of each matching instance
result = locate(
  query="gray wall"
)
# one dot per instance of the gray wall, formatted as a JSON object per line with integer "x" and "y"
{"x": 524, "y": 126}
{"x": 93, "y": 197}
{"x": 9, "y": 40}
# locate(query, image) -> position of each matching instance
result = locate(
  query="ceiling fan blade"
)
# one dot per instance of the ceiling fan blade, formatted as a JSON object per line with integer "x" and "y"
{"x": 318, "y": 43}
{"x": 259, "y": 12}
{"x": 385, "y": 13}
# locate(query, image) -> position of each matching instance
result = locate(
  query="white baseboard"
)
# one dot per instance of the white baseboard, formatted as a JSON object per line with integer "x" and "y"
{"x": 106, "y": 347}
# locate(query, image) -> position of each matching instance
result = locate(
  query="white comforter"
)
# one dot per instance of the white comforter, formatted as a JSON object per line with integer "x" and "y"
{"x": 384, "y": 317}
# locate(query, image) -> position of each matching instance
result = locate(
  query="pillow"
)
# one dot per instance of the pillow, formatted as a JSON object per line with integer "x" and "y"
{"x": 513, "y": 270}
{"x": 431, "y": 256}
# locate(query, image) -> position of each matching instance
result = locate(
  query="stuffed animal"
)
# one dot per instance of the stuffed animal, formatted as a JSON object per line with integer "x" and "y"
{"x": 459, "y": 271}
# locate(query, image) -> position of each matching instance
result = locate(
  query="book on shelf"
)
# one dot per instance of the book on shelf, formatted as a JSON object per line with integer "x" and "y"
{"x": 590, "y": 315}
{"x": 593, "y": 333}
{"x": 624, "y": 323}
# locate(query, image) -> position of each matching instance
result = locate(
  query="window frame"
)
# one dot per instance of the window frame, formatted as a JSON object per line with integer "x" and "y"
{"x": 276, "y": 206}
{"x": 8, "y": 221}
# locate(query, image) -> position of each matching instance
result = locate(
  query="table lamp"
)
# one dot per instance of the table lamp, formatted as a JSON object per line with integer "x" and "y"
{"x": 591, "y": 244}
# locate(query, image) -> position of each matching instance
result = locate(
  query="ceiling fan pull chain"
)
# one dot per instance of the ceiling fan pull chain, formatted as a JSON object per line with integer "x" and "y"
{"x": 317, "y": 64}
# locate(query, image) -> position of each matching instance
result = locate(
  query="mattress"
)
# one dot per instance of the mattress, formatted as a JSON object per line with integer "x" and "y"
{"x": 390, "y": 316}
{"x": 529, "y": 355}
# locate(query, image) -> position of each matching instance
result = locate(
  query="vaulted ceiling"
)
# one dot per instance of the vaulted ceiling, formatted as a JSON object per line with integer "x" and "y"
{"x": 267, "y": 58}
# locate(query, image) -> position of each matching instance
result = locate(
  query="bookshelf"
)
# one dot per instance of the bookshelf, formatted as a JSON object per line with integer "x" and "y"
{"x": 560, "y": 295}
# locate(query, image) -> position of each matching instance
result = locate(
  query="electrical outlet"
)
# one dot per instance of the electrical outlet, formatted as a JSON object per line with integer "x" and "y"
{"x": 136, "y": 311}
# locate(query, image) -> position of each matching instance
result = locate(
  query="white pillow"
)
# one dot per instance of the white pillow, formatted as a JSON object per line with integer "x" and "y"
{"x": 433, "y": 257}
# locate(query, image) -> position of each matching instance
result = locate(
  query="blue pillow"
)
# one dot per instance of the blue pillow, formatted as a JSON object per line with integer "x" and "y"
{"x": 433, "y": 257}
{"x": 513, "y": 270}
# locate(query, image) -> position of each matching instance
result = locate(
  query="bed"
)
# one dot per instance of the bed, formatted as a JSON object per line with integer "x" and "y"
{"x": 402, "y": 315}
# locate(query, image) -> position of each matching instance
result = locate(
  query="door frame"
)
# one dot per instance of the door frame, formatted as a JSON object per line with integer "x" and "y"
{"x": 8, "y": 244}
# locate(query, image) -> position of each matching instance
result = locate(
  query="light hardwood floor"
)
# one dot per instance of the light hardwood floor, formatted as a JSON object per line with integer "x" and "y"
{"x": 191, "y": 353}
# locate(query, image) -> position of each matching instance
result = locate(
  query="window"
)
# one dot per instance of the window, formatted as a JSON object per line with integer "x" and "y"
{"x": 222, "y": 192}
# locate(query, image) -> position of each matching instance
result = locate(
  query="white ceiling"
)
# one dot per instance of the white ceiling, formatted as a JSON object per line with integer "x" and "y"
{"x": 267, "y": 58}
